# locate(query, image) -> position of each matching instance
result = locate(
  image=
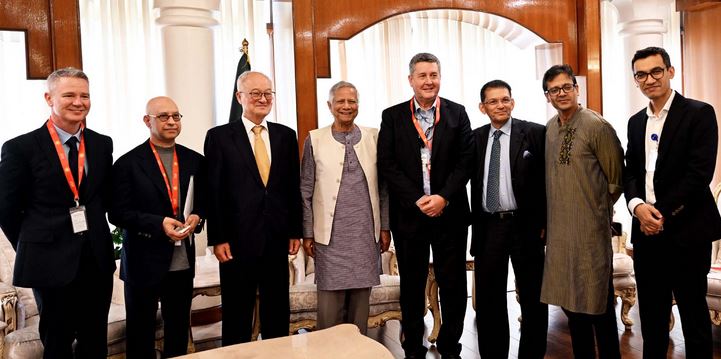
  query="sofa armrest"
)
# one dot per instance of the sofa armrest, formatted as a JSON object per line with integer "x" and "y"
{"x": 8, "y": 307}
{"x": 390, "y": 262}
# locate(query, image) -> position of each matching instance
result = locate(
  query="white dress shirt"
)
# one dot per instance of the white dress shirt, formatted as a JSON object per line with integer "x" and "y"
{"x": 263, "y": 134}
{"x": 654, "y": 126}
{"x": 506, "y": 198}
{"x": 64, "y": 137}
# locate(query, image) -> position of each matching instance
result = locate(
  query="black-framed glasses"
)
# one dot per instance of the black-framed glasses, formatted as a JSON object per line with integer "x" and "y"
{"x": 656, "y": 73}
{"x": 553, "y": 91}
{"x": 495, "y": 102}
{"x": 163, "y": 117}
{"x": 256, "y": 95}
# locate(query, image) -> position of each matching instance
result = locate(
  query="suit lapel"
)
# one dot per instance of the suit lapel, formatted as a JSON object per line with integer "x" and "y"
{"x": 46, "y": 144}
{"x": 482, "y": 145}
{"x": 439, "y": 130}
{"x": 149, "y": 166}
{"x": 673, "y": 120}
{"x": 240, "y": 138}
{"x": 517, "y": 136}
{"x": 275, "y": 150}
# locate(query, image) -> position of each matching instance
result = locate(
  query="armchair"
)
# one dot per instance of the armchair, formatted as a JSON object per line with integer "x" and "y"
{"x": 624, "y": 279}
{"x": 19, "y": 317}
{"x": 384, "y": 298}
{"x": 713, "y": 293}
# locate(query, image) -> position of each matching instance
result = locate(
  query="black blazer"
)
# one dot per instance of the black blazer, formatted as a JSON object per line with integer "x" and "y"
{"x": 34, "y": 208}
{"x": 399, "y": 163}
{"x": 684, "y": 169}
{"x": 526, "y": 154}
{"x": 140, "y": 203}
{"x": 241, "y": 211}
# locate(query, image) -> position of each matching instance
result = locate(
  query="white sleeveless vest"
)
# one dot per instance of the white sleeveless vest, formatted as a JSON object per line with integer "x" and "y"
{"x": 329, "y": 156}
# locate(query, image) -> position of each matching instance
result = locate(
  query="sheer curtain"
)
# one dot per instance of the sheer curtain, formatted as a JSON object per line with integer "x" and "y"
{"x": 122, "y": 55}
{"x": 246, "y": 19}
{"x": 22, "y": 106}
{"x": 473, "y": 48}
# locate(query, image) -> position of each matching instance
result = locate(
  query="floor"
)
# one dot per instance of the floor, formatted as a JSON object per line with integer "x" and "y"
{"x": 559, "y": 341}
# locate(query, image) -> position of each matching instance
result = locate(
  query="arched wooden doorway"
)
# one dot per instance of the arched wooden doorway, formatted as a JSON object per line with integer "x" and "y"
{"x": 575, "y": 24}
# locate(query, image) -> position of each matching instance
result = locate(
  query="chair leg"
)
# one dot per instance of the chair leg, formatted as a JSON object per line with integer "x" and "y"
{"x": 432, "y": 296}
{"x": 628, "y": 300}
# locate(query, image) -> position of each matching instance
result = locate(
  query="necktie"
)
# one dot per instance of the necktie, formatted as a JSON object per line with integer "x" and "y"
{"x": 494, "y": 169}
{"x": 72, "y": 142}
{"x": 261, "y": 155}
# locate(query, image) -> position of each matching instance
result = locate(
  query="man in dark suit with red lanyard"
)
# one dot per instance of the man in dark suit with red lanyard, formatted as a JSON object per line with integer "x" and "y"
{"x": 254, "y": 212}
{"x": 158, "y": 208}
{"x": 425, "y": 151}
{"x": 53, "y": 187}
{"x": 508, "y": 196}
{"x": 670, "y": 161}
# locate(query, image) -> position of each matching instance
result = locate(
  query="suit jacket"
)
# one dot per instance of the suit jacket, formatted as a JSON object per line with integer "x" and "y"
{"x": 241, "y": 211}
{"x": 399, "y": 163}
{"x": 35, "y": 200}
{"x": 684, "y": 169}
{"x": 140, "y": 203}
{"x": 526, "y": 154}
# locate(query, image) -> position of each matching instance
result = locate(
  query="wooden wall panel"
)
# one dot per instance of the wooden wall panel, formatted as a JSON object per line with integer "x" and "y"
{"x": 52, "y": 33}
{"x": 574, "y": 23}
{"x": 701, "y": 52}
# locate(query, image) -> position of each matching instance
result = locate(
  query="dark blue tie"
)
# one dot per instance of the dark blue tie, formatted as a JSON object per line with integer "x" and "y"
{"x": 494, "y": 169}
{"x": 72, "y": 142}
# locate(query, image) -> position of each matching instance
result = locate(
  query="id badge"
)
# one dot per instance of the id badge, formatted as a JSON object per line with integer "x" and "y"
{"x": 651, "y": 160}
{"x": 78, "y": 219}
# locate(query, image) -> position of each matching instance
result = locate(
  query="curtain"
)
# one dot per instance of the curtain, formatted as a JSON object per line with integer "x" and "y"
{"x": 22, "y": 106}
{"x": 473, "y": 48}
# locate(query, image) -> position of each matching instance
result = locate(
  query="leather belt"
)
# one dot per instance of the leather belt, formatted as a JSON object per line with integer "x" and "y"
{"x": 503, "y": 214}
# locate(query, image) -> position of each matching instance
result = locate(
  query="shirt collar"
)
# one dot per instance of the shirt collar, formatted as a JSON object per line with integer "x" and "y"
{"x": 249, "y": 124}
{"x": 418, "y": 106}
{"x": 64, "y": 136}
{"x": 505, "y": 129}
{"x": 664, "y": 109}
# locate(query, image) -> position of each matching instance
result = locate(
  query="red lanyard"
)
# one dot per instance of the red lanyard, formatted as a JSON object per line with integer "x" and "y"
{"x": 174, "y": 193}
{"x": 428, "y": 144}
{"x": 64, "y": 159}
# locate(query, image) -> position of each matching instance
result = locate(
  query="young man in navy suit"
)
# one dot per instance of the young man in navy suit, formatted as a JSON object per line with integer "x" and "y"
{"x": 151, "y": 186}
{"x": 54, "y": 183}
{"x": 508, "y": 197}
{"x": 670, "y": 161}
{"x": 254, "y": 212}
{"x": 425, "y": 151}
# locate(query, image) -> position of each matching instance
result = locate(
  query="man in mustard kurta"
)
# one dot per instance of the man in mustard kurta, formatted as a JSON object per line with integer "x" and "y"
{"x": 584, "y": 160}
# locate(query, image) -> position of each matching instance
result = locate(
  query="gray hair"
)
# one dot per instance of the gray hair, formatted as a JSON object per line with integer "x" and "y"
{"x": 65, "y": 72}
{"x": 241, "y": 79}
{"x": 423, "y": 57}
{"x": 339, "y": 85}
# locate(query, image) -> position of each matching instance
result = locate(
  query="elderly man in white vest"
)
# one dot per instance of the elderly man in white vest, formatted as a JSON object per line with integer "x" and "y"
{"x": 345, "y": 212}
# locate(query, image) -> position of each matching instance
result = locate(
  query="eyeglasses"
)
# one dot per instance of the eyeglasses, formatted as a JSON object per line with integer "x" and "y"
{"x": 495, "y": 102}
{"x": 163, "y": 117}
{"x": 656, "y": 73}
{"x": 553, "y": 91}
{"x": 256, "y": 95}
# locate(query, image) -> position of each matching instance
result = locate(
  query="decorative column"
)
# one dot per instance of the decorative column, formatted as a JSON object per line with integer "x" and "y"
{"x": 189, "y": 63}
{"x": 642, "y": 23}
{"x": 189, "y": 71}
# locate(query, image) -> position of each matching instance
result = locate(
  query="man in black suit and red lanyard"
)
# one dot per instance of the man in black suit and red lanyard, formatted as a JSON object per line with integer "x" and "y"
{"x": 54, "y": 183}
{"x": 425, "y": 151}
{"x": 670, "y": 161}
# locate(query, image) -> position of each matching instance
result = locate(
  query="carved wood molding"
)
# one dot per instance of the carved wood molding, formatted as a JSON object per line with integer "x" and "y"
{"x": 696, "y": 5}
{"x": 52, "y": 33}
